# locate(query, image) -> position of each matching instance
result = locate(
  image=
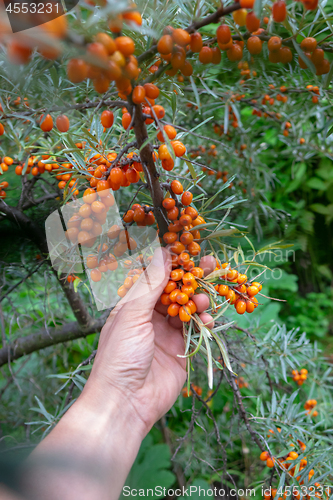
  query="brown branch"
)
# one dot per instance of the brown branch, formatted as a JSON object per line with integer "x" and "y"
{"x": 149, "y": 168}
{"x": 84, "y": 105}
{"x": 48, "y": 337}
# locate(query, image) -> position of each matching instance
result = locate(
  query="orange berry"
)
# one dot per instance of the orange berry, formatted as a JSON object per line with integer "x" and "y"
{"x": 177, "y": 187}
{"x": 279, "y": 11}
{"x": 223, "y": 33}
{"x": 252, "y": 22}
{"x": 181, "y": 37}
{"x": 173, "y": 309}
{"x": 240, "y": 306}
{"x": 196, "y": 42}
{"x": 107, "y": 119}
{"x": 184, "y": 314}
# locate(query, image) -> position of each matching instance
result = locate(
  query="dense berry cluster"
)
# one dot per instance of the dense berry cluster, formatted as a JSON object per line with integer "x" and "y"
{"x": 300, "y": 376}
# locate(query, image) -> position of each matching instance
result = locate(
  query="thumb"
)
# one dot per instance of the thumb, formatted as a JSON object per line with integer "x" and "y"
{"x": 142, "y": 297}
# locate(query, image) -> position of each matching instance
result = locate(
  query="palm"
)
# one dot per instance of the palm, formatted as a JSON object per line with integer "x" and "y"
{"x": 145, "y": 367}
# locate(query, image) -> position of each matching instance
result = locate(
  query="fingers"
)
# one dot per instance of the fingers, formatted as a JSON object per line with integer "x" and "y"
{"x": 208, "y": 264}
{"x": 201, "y": 300}
{"x": 142, "y": 297}
{"x": 207, "y": 320}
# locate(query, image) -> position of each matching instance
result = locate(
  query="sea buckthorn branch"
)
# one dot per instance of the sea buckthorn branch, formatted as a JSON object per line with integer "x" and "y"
{"x": 80, "y": 106}
{"x": 152, "y": 176}
{"x": 49, "y": 337}
{"x": 211, "y": 19}
{"x": 242, "y": 411}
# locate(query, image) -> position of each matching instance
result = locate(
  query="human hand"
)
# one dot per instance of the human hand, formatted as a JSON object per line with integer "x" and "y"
{"x": 137, "y": 359}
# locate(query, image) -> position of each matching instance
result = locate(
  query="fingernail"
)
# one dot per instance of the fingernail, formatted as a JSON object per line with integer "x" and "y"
{"x": 159, "y": 257}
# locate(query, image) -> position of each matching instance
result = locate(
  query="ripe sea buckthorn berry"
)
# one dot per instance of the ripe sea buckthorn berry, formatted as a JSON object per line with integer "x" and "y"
{"x": 107, "y": 119}
{"x": 138, "y": 94}
{"x": 168, "y": 203}
{"x": 309, "y": 44}
{"x": 182, "y": 298}
{"x": 177, "y": 248}
{"x": 216, "y": 55}
{"x": 173, "y": 295}
{"x": 285, "y": 56}
{"x": 139, "y": 215}
{"x": 165, "y": 44}
{"x": 2, "y": 129}
{"x": 223, "y": 290}
{"x": 92, "y": 261}
{"x": 169, "y": 238}
{"x": 89, "y": 196}
{"x": 189, "y": 290}
{"x": 171, "y": 285}
{"x": 250, "y": 306}
{"x": 125, "y": 45}
{"x": 101, "y": 84}
{"x": 254, "y": 45}
{"x": 96, "y": 275}
{"x": 239, "y": 16}
{"x": 252, "y": 290}
{"x": 184, "y": 314}
{"x": 235, "y": 53}
{"x": 246, "y": 4}
{"x": 188, "y": 279}
{"x": 232, "y": 275}
{"x": 270, "y": 462}
{"x": 194, "y": 248}
{"x": 196, "y": 42}
{"x": 192, "y": 306}
{"x": 152, "y": 91}
{"x": 122, "y": 290}
{"x": 187, "y": 198}
{"x": 113, "y": 232}
{"x": 317, "y": 56}
{"x": 85, "y": 211}
{"x": 98, "y": 207}
{"x": 187, "y": 69}
{"x": 252, "y": 22}
{"x": 165, "y": 299}
{"x": 173, "y": 213}
{"x": 186, "y": 238}
{"x": 177, "y": 274}
{"x": 240, "y": 306}
{"x": 46, "y": 123}
{"x": 159, "y": 111}
{"x": 274, "y": 44}
{"x": 257, "y": 285}
{"x": 175, "y": 227}
{"x": 177, "y": 187}
{"x": 242, "y": 278}
{"x": 205, "y": 55}
{"x": 223, "y": 33}
{"x": 179, "y": 148}
{"x": 126, "y": 120}
{"x": 181, "y": 37}
{"x": 264, "y": 456}
{"x": 62, "y": 123}
{"x": 177, "y": 60}
{"x": 231, "y": 297}
{"x": 185, "y": 220}
{"x": 163, "y": 152}
{"x": 107, "y": 41}
{"x": 77, "y": 70}
{"x": 192, "y": 212}
{"x": 116, "y": 175}
{"x": 279, "y": 11}
{"x": 173, "y": 309}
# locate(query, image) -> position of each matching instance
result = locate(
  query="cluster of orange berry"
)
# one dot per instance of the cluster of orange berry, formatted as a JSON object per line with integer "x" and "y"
{"x": 239, "y": 291}
{"x": 241, "y": 382}
{"x": 188, "y": 394}
{"x": 309, "y": 406}
{"x": 300, "y": 376}
{"x": 182, "y": 238}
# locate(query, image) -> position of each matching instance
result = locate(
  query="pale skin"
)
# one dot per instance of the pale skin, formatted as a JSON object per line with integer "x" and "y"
{"x": 136, "y": 377}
